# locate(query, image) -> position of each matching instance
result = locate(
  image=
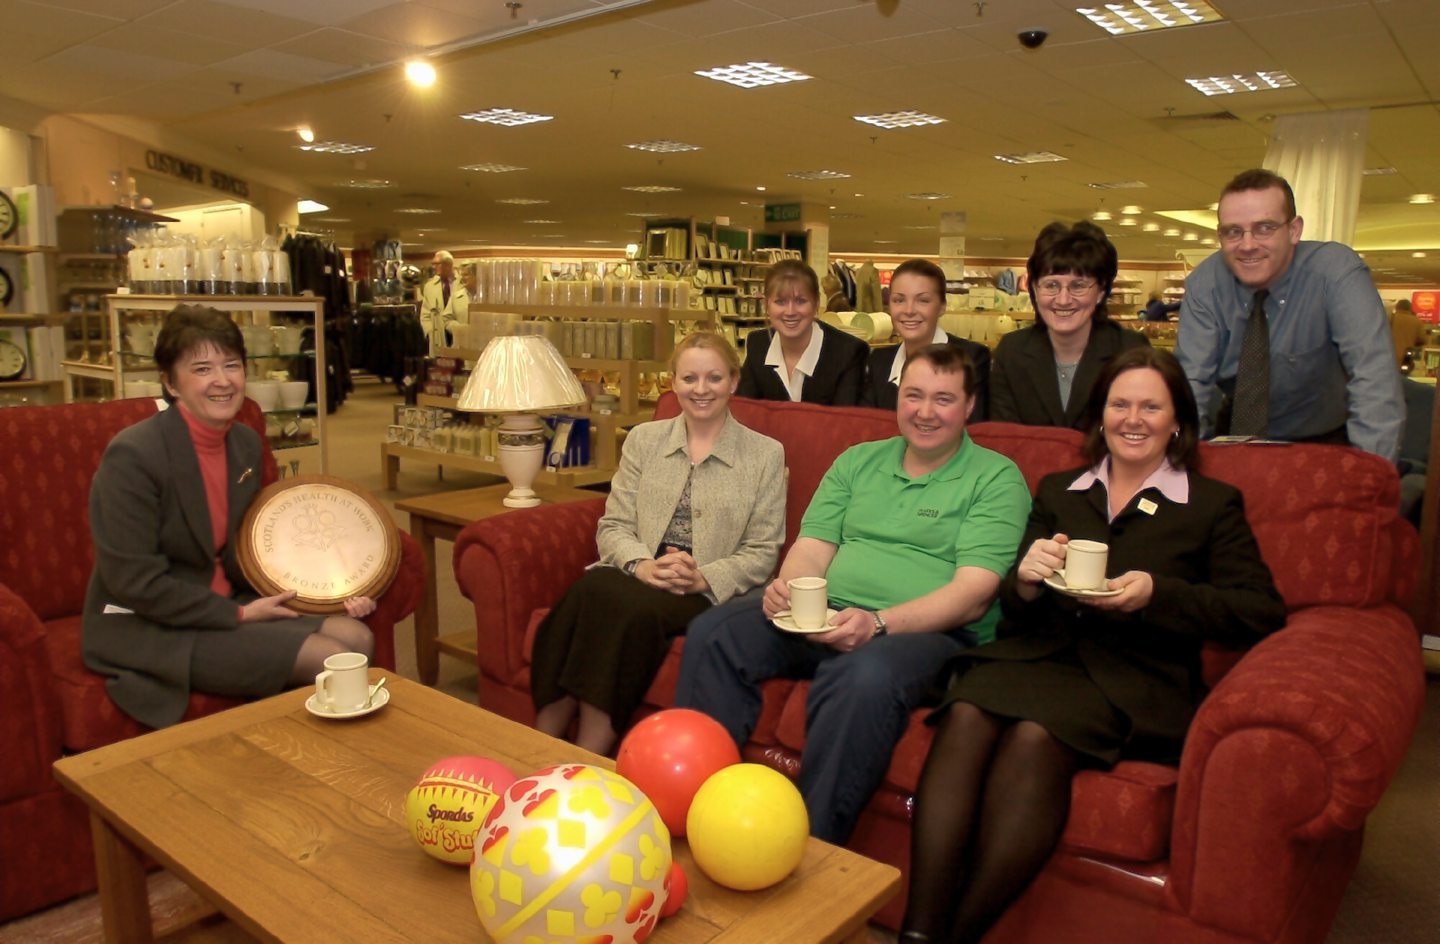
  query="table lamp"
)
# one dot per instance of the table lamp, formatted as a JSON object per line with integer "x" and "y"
{"x": 519, "y": 376}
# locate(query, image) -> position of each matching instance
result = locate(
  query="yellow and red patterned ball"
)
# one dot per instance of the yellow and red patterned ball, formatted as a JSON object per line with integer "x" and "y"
{"x": 447, "y": 807}
{"x": 572, "y": 853}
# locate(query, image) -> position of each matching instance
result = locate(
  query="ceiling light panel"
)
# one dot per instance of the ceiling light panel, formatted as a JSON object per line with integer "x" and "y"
{"x": 1120, "y": 185}
{"x": 818, "y": 174}
{"x": 847, "y": 216}
{"x": 1146, "y": 16}
{"x": 521, "y": 201}
{"x": 543, "y": 222}
{"x": 646, "y": 215}
{"x": 336, "y": 147}
{"x": 1031, "y": 157}
{"x": 1242, "y": 82}
{"x": 753, "y": 74}
{"x": 507, "y": 117}
{"x": 491, "y": 168}
{"x": 369, "y": 183}
{"x": 891, "y": 120}
{"x": 652, "y": 188}
{"x": 928, "y": 196}
{"x": 1379, "y": 171}
{"x": 664, "y": 146}
{"x": 417, "y": 211}
{"x": 1421, "y": 199}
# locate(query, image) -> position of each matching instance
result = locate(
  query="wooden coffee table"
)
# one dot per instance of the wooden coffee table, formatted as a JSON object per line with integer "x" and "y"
{"x": 293, "y": 826}
{"x": 440, "y": 517}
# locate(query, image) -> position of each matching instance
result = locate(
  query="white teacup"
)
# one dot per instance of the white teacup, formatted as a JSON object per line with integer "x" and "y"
{"x": 292, "y": 394}
{"x": 1085, "y": 564}
{"x": 345, "y": 683}
{"x": 808, "y": 601}
{"x": 264, "y": 392}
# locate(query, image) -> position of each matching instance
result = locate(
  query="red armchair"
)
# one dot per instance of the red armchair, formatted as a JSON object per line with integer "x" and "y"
{"x": 50, "y": 703}
{"x": 1253, "y": 838}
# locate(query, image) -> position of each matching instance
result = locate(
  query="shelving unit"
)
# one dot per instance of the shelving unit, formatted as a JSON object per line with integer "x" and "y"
{"x": 118, "y": 362}
{"x": 16, "y": 322}
{"x": 607, "y": 426}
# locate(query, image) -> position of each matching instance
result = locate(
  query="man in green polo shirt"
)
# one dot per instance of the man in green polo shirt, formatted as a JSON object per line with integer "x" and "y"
{"x": 913, "y": 535}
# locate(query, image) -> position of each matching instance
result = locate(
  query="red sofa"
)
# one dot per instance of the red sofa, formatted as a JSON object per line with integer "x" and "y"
{"x": 50, "y": 703}
{"x": 1256, "y": 834}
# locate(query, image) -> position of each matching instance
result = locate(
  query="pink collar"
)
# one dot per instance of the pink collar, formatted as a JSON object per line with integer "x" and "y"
{"x": 1171, "y": 482}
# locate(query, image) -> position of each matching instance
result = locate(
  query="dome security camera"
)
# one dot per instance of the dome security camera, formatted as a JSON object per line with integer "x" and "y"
{"x": 1033, "y": 38}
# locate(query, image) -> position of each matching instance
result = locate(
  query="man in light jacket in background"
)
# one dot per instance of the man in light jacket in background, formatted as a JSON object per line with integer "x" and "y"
{"x": 443, "y": 302}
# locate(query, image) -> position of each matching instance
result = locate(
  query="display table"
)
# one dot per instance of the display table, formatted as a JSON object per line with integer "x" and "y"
{"x": 293, "y": 826}
{"x": 441, "y": 517}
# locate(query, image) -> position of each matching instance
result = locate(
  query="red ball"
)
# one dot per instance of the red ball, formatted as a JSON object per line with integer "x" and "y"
{"x": 670, "y": 754}
{"x": 676, "y": 888}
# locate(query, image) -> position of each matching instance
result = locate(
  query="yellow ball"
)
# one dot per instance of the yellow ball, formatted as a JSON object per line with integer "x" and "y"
{"x": 747, "y": 827}
{"x": 446, "y": 808}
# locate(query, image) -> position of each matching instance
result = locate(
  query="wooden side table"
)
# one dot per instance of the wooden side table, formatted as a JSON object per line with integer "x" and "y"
{"x": 442, "y": 516}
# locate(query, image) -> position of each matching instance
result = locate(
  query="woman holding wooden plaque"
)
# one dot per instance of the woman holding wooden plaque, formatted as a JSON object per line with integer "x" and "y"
{"x": 168, "y": 610}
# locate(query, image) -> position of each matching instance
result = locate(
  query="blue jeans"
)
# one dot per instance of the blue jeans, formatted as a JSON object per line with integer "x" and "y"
{"x": 858, "y": 706}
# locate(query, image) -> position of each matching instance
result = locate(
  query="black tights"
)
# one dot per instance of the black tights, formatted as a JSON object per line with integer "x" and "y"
{"x": 992, "y": 803}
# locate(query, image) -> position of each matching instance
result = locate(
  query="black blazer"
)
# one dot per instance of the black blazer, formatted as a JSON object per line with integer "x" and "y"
{"x": 838, "y": 378}
{"x": 1023, "y": 388}
{"x": 155, "y": 557}
{"x": 1210, "y": 584}
{"x": 880, "y": 392}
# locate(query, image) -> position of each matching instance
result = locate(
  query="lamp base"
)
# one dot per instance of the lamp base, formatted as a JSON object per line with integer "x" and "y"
{"x": 522, "y": 451}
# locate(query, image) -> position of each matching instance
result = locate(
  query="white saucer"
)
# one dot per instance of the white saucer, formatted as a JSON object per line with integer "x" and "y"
{"x": 783, "y": 621}
{"x": 380, "y": 700}
{"x": 1056, "y": 582}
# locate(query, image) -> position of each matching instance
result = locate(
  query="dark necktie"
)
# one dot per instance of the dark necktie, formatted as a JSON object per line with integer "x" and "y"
{"x": 1250, "y": 415}
{"x": 444, "y": 291}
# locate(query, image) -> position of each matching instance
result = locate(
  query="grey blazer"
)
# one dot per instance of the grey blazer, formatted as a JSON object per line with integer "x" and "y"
{"x": 737, "y": 502}
{"x": 154, "y": 557}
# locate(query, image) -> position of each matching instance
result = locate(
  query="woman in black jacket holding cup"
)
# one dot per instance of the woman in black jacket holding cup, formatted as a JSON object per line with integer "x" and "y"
{"x": 1084, "y": 678}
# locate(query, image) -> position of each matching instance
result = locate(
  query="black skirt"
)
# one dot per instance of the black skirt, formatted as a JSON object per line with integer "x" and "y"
{"x": 1056, "y": 693}
{"x": 605, "y": 641}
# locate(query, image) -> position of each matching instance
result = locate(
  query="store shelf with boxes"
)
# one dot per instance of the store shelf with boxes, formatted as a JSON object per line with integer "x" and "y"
{"x": 285, "y": 360}
{"x": 725, "y": 264}
{"x": 619, "y": 353}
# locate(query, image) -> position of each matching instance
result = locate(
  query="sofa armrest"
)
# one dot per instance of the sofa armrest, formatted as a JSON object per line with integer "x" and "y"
{"x": 1291, "y": 751}
{"x": 513, "y": 564}
{"x": 398, "y": 601}
{"x": 29, "y": 703}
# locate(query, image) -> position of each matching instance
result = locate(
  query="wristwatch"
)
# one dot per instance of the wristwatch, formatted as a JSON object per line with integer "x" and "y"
{"x": 880, "y": 628}
{"x": 632, "y": 566}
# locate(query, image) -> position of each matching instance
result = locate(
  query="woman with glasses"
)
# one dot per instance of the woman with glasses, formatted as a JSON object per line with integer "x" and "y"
{"x": 1042, "y": 375}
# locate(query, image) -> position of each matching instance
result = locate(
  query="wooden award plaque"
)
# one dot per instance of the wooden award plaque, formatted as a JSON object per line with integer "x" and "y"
{"x": 321, "y": 536}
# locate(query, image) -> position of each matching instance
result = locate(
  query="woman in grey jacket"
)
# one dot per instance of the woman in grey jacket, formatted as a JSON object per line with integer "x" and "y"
{"x": 696, "y": 516}
{"x": 168, "y": 610}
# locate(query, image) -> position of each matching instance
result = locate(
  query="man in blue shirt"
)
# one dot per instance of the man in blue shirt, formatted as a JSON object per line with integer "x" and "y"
{"x": 1332, "y": 374}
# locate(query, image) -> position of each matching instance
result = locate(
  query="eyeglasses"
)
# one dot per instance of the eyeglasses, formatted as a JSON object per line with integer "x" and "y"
{"x": 1052, "y": 287}
{"x": 1261, "y": 231}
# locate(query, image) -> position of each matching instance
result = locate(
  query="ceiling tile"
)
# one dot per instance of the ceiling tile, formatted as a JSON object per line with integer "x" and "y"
{"x": 708, "y": 19}
{"x": 120, "y": 10}
{"x": 342, "y": 46}
{"x": 117, "y": 62}
{"x": 225, "y": 21}
{"x": 414, "y": 25}
{"x": 46, "y": 22}
{"x": 167, "y": 44}
{"x": 320, "y": 12}
{"x": 865, "y": 23}
{"x": 284, "y": 66}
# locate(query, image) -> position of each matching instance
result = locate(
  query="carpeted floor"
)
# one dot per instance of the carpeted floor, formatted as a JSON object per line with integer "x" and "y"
{"x": 1392, "y": 899}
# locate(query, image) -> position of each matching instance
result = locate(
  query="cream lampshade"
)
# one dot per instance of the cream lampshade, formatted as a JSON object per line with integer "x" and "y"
{"x": 519, "y": 376}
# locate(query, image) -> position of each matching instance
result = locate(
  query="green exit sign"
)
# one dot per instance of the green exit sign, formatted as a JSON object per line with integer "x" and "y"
{"x": 782, "y": 212}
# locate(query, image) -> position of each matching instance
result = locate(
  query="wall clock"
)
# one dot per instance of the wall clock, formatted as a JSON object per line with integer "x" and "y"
{"x": 9, "y": 216}
{"x": 12, "y": 360}
{"x": 7, "y": 289}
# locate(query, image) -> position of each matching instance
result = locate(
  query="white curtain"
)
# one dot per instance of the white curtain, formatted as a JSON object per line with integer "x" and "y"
{"x": 1322, "y": 154}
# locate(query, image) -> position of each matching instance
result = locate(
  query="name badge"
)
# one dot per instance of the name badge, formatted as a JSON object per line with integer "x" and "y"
{"x": 1148, "y": 506}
